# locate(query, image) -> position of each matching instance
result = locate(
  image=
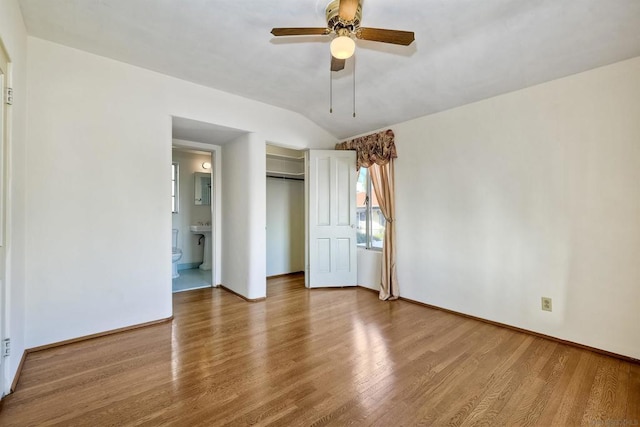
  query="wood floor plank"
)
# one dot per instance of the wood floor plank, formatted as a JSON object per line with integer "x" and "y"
{"x": 633, "y": 399}
{"x": 320, "y": 358}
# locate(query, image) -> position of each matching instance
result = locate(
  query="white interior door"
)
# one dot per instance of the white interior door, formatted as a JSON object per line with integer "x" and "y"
{"x": 331, "y": 228}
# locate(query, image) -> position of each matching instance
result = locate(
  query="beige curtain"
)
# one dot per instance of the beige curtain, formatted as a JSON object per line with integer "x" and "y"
{"x": 383, "y": 180}
{"x": 377, "y": 152}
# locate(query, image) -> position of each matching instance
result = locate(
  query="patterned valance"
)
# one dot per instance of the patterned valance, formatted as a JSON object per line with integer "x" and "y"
{"x": 378, "y": 148}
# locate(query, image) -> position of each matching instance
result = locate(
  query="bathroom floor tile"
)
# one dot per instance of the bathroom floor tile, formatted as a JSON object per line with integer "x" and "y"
{"x": 191, "y": 279}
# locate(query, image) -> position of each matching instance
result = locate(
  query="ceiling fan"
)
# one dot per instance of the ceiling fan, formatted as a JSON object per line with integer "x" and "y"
{"x": 343, "y": 20}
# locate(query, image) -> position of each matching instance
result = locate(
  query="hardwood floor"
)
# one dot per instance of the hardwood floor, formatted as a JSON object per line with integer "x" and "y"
{"x": 320, "y": 357}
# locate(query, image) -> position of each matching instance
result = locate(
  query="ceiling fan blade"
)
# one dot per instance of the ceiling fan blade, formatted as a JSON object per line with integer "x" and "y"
{"x": 337, "y": 64}
{"x": 348, "y": 9}
{"x": 404, "y": 38}
{"x": 299, "y": 31}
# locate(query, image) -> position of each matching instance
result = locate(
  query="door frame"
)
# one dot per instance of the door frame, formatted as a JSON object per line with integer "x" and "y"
{"x": 303, "y": 154}
{"x": 216, "y": 199}
{"x": 5, "y": 135}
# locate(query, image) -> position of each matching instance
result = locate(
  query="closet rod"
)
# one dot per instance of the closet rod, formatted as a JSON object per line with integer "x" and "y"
{"x": 285, "y": 177}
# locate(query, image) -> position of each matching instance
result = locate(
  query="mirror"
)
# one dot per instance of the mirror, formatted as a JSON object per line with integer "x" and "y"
{"x": 202, "y": 188}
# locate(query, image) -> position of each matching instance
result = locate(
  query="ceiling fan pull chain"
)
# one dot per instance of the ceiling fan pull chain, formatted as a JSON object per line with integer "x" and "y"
{"x": 354, "y": 86}
{"x": 330, "y": 91}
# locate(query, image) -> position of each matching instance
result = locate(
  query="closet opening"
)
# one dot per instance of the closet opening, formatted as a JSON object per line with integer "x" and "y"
{"x": 285, "y": 211}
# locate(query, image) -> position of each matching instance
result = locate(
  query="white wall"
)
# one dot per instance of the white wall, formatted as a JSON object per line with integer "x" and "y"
{"x": 529, "y": 194}
{"x": 14, "y": 37}
{"x": 285, "y": 226}
{"x": 369, "y": 268}
{"x": 98, "y": 201}
{"x": 243, "y": 216}
{"x": 188, "y": 212}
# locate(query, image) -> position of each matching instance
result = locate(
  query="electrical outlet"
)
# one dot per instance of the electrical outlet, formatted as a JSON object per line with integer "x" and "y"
{"x": 546, "y": 304}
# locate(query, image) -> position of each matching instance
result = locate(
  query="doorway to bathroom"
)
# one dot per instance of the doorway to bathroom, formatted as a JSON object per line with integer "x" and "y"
{"x": 192, "y": 191}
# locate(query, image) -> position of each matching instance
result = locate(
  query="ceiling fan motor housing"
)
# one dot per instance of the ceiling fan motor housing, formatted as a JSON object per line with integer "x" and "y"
{"x": 334, "y": 22}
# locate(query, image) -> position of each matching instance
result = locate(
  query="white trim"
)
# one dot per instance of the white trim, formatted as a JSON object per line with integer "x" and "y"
{"x": 5, "y": 252}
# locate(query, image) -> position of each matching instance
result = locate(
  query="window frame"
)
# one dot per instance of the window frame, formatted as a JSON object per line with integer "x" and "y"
{"x": 175, "y": 185}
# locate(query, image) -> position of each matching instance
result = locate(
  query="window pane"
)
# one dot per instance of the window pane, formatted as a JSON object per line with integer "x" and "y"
{"x": 377, "y": 223}
{"x": 361, "y": 207}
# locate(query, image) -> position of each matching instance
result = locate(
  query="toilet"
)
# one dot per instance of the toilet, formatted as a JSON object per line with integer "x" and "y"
{"x": 176, "y": 254}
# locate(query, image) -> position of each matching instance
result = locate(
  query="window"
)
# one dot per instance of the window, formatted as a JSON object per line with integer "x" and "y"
{"x": 174, "y": 187}
{"x": 371, "y": 222}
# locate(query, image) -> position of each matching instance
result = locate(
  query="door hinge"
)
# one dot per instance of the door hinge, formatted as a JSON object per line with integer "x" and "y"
{"x": 6, "y": 347}
{"x": 9, "y": 96}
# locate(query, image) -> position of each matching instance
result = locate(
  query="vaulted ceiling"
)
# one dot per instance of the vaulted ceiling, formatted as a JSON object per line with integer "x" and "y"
{"x": 465, "y": 50}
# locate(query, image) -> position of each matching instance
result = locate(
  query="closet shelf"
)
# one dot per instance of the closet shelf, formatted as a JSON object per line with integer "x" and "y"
{"x": 284, "y": 156}
{"x": 285, "y": 163}
{"x": 285, "y": 173}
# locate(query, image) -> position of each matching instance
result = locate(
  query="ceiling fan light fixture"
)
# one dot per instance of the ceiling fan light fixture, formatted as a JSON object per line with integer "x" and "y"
{"x": 342, "y": 47}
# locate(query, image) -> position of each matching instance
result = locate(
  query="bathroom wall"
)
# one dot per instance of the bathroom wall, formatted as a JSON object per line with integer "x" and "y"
{"x": 188, "y": 212}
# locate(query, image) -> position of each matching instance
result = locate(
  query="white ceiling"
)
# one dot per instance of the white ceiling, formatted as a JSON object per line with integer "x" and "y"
{"x": 465, "y": 50}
